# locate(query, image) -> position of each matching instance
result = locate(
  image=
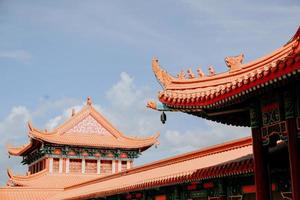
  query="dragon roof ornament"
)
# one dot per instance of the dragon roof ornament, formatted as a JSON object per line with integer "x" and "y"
{"x": 161, "y": 75}
{"x": 234, "y": 62}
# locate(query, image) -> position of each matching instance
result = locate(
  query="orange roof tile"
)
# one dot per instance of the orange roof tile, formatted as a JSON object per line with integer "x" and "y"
{"x": 216, "y": 89}
{"x": 87, "y": 128}
{"x": 199, "y": 164}
{"x": 9, "y": 193}
{"x": 44, "y": 179}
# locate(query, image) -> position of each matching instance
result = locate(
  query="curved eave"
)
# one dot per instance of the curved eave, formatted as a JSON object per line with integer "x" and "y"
{"x": 22, "y": 180}
{"x": 122, "y": 142}
{"x": 18, "y": 151}
{"x": 196, "y": 99}
{"x": 219, "y": 89}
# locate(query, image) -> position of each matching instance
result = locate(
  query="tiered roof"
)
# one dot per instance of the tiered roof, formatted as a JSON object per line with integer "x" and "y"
{"x": 87, "y": 128}
{"x": 227, "y": 159}
{"x": 199, "y": 93}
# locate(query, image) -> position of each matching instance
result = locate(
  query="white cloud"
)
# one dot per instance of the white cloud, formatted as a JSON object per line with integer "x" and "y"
{"x": 123, "y": 94}
{"x": 13, "y": 129}
{"x": 14, "y": 124}
{"x": 20, "y": 55}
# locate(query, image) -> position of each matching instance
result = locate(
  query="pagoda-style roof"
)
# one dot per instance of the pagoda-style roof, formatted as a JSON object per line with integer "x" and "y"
{"x": 227, "y": 159}
{"x": 44, "y": 179}
{"x": 200, "y": 93}
{"x": 87, "y": 128}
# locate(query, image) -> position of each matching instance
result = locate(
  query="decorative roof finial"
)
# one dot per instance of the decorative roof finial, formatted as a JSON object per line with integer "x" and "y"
{"x": 234, "y": 62}
{"x": 73, "y": 112}
{"x": 190, "y": 73}
{"x": 200, "y": 72}
{"x": 89, "y": 101}
{"x": 181, "y": 75}
{"x": 162, "y": 76}
{"x": 211, "y": 71}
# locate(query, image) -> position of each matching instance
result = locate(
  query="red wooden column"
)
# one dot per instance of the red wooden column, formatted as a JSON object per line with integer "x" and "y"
{"x": 260, "y": 153}
{"x": 261, "y": 174}
{"x": 293, "y": 148}
{"x": 294, "y": 157}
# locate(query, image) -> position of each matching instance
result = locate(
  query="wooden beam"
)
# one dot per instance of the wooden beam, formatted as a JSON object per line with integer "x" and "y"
{"x": 227, "y": 112}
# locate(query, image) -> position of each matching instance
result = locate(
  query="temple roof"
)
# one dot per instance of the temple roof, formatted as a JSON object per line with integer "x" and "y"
{"x": 86, "y": 128}
{"x": 44, "y": 179}
{"x": 192, "y": 92}
{"x": 13, "y": 193}
{"x": 41, "y": 185}
{"x": 16, "y": 151}
{"x": 227, "y": 159}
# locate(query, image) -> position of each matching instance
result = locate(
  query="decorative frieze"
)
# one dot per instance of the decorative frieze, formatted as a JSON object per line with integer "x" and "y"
{"x": 289, "y": 107}
{"x": 91, "y": 153}
{"x": 279, "y": 129}
{"x": 254, "y": 112}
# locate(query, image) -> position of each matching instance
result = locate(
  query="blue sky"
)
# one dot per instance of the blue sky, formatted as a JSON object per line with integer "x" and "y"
{"x": 53, "y": 54}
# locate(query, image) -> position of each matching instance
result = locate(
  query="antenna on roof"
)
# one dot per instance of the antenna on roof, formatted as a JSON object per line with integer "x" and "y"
{"x": 89, "y": 101}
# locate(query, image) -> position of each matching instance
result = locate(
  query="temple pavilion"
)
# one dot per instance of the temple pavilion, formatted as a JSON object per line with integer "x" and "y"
{"x": 84, "y": 147}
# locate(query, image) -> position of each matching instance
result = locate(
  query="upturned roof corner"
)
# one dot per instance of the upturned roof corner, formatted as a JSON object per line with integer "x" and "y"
{"x": 162, "y": 75}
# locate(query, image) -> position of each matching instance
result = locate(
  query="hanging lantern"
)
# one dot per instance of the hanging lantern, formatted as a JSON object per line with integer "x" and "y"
{"x": 163, "y": 117}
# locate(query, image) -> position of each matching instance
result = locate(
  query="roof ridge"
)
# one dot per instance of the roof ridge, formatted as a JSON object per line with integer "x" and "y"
{"x": 279, "y": 53}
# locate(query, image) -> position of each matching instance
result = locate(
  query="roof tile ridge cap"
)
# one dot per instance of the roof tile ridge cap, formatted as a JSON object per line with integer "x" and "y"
{"x": 71, "y": 121}
{"x": 40, "y": 132}
{"x": 245, "y": 67}
{"x": 246, "y": 141}
{"x": 39, "y": 135}
{"x": 280, "y": 52}
{"x": 106, "y": 123}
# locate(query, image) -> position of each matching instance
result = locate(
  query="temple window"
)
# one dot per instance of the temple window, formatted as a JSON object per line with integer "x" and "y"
{"x": 55, "y": 165}
{"x": 124, "y": 165}
{"x": 106, "y": 166}
{"x": 75, "y": 166}
{"x": 91, "y": 166}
